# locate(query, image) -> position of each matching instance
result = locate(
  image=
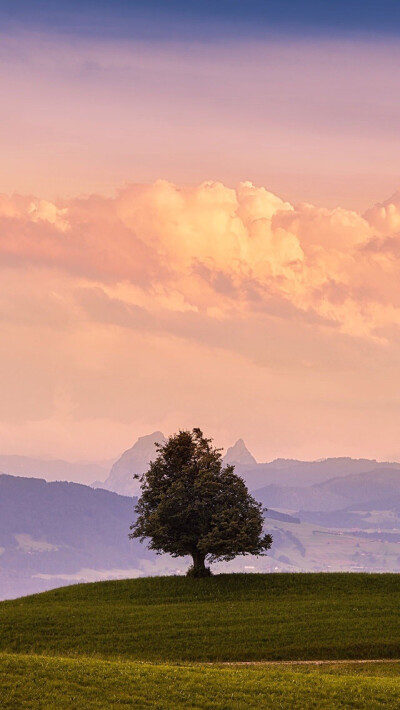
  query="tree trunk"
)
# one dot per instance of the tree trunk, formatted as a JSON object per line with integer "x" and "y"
{"x": 199, "y": 569}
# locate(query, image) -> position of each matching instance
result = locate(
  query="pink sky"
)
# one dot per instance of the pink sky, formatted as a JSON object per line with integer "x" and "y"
{"x": 166, "y": 307}
{"x": 200, "y": 236}
{"x": 313, "y": 120}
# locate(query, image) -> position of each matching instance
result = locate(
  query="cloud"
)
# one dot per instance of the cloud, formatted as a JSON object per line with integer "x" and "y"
{"x": 83, "y": 238}
{"x": 385, "y": 217}
{"x": 216, "y": 250}
{"x": 166, "y": 303}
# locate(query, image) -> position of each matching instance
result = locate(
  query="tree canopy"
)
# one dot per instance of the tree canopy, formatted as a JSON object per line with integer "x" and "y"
{"x": 192, "y": 505}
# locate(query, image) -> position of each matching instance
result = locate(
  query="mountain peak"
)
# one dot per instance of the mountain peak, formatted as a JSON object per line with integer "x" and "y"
{"x": 239, "y": 454}
{"x": 134, "y": 461}
{"x": 145, "y": 442}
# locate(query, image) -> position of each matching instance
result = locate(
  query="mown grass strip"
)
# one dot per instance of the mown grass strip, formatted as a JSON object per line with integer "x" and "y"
{"x": 45, "y": 683}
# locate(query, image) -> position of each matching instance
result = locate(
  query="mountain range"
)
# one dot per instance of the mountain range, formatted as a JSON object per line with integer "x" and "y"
{"x": 118, "y": 475}
{"x": 334, "y": 514}
{"x": 58, "y": 533}
{"x": 135, "y": 461}
{"x": 285, "y": 483}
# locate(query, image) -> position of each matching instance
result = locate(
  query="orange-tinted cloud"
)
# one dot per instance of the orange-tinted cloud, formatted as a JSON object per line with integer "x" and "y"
{"x": 99, "y": 295}
{"x": 217, "y": 251}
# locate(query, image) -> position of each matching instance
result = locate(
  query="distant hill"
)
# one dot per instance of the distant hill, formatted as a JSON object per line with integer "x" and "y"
{"x": 53, "y": 469}
{"x": 57, "y": 533}
{"x": 336, "y": 494}
{"x": 297, "y": 498}
{"x": 358, "y": 488}
{"x": 288, "y": 472}
{"x": 282, "y": 517}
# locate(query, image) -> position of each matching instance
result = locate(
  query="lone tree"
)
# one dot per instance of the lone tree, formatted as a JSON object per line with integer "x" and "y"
{"x": 192, "y": 505}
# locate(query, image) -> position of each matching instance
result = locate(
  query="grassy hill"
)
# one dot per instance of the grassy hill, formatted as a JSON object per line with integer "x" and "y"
{"x": 224, "y": 618}
{"x": 147, "y": 642}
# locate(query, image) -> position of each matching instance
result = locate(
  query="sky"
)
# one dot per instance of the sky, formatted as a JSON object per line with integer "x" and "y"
{"x": 200, "y": 226}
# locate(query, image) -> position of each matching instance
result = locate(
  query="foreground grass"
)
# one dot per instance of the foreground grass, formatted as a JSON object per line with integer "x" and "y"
{"x": 31, "y": 682}
{"x": 226, "y": 617}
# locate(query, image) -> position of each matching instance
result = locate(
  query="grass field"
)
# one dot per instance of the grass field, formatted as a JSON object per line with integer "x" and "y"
{"x": 32, "y": 682}
{"x": 145, "y": 643}
{"x": 227, "y": 617}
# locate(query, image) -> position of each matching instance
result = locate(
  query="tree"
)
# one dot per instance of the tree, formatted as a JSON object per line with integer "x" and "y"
{"x": 192, "y": 505}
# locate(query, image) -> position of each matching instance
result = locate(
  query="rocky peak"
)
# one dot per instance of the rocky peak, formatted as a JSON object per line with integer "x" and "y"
{"x": 239, "y": 454}
{"x": 134, "y": 461}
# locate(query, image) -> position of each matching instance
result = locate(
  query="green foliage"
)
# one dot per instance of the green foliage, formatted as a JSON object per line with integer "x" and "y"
{"x": 238, "y": 617}
{"x": 191, "y": 505}
{"x": 38, "y": 683}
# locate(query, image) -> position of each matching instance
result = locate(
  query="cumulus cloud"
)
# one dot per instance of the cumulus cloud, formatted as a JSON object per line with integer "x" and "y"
{"x": 385, "y": 217}
{"x": 218, "y": 251}
{"x": 134, "y": 307}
